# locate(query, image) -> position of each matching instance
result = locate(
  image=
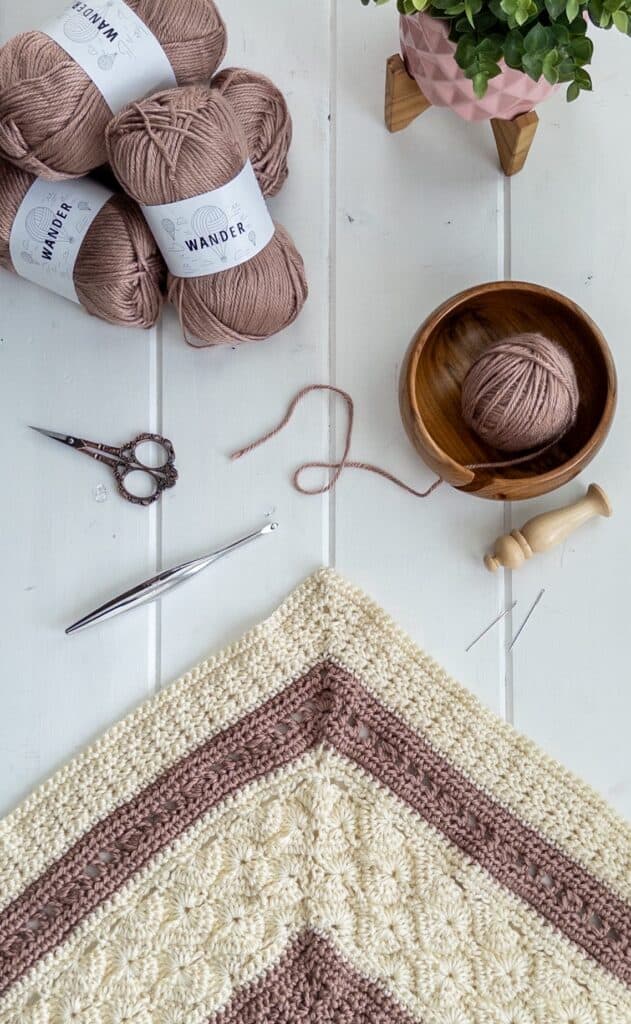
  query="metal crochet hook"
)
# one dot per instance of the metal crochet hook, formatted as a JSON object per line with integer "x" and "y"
{"x": 165, "y": 581}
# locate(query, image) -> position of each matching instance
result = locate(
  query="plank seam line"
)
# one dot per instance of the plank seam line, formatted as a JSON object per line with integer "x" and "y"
{"x": 331, "y": 499}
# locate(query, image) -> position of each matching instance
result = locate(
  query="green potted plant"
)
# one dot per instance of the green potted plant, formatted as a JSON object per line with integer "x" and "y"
{"x": 499, "y": 58}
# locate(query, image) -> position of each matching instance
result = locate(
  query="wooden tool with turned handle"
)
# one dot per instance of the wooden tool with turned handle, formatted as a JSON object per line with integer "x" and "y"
{"x": 547, "y": 530}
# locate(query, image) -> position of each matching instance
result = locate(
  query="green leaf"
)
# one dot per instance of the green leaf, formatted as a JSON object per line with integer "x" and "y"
{"x": 571, "y": 10}
{"x": 480, "y": 84}
{"x": 536, "y": 40}
{"x": 550, "y": 67}
{"x": 566, "y": 71}
{"x": 489, "y": 47}
{"x": 496, "y": 8}
{"x": 551, "y": 75}
{"x": 488, "y": 68}
{"x": 472, "y": 8}
{"x": 573, "y": 92}
{"x": 583, "y": 80}
{"x": 621, "y": 21}
{"x": 555, "y": 8}
{"x": 519, "y": 11}
{"x": 465, "y": 52}
{"x": 561, "y": 34}
{"x": 514, "y": 49}
{"x": 582, "y": 49}
{"x": 533, "y": 66}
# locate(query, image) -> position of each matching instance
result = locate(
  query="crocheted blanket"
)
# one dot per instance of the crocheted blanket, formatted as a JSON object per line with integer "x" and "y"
{"x": 316, "y": 825}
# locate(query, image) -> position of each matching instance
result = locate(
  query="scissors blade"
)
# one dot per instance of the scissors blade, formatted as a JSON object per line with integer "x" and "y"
{"x": 73, "y": 442}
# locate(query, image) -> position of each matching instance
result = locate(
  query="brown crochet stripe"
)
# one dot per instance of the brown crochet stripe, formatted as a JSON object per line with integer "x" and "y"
{"x": 110, "y": 854}
{"x": 312, "y": 982}
{"x": 326, "y": 705}
{"x": 554, "y": 885}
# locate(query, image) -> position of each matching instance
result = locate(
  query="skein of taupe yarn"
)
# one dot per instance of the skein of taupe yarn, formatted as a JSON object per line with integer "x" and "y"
{"x": 53, "y": 117}
{"x": 263, "y": 114}
{"x": 182, "y": 143}
{"x": 119, "y": 274}
{"x": 521, "y": 393}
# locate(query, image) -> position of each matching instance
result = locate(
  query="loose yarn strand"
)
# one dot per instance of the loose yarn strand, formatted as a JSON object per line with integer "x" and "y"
{"x": 337, "y": 467}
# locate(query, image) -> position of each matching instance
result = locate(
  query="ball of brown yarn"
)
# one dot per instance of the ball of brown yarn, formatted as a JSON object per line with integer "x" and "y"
{"x": 180, "y": 144}
{"x": 521, "y": 393}
{"x": 53, "y": 117}
{"x": 119, "y": 274}
{"x": 263, "y": 114}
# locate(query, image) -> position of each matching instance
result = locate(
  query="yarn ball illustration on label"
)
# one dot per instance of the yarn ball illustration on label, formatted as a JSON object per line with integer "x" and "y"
{"x": 106, "y": 61}
{"x": 38, "y": 223}
{"x": 109, "y": 37}
{"x": 78, "y": 30}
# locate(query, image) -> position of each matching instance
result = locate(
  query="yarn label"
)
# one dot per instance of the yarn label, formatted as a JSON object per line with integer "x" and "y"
{"x": 213, "y": 232}
{"x": 49, "y": 230}
{"x": 115, "y": 49}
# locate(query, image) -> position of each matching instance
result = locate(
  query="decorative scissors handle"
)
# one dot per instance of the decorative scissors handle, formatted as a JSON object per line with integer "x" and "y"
{"x": 162, "y": 476}
{"x": 124, "y": 461}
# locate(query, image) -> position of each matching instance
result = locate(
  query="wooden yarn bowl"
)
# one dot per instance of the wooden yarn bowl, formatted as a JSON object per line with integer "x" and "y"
{"x": 444, "y": 348}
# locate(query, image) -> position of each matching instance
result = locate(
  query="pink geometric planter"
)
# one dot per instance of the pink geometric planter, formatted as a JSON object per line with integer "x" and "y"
{"x": 429, "y": 57}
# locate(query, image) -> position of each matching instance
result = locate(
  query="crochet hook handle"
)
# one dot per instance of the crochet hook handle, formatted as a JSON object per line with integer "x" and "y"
{"x": 165, "y": 581}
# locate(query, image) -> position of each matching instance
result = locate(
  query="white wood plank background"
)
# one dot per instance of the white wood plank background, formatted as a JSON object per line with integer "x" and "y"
{"x": 389, "y": 226}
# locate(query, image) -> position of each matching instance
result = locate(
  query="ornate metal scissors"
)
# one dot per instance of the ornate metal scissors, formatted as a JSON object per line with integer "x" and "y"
{"x": 124, "y": 461}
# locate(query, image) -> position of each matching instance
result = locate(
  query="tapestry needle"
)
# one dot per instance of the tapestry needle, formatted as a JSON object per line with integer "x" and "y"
{"x": 502, "y": 615}
{"x": 524, "y": 623}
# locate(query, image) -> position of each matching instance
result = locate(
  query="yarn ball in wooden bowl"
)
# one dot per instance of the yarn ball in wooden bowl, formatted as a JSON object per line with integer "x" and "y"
{"x": 459, "y": 342}
{"x": 521, "y": 394}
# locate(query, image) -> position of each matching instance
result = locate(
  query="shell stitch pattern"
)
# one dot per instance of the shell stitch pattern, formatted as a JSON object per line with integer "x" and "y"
{"x": 316, "y": 824}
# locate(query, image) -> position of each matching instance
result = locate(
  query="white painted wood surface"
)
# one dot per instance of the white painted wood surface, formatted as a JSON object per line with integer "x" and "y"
{"x": 389, "y": 227}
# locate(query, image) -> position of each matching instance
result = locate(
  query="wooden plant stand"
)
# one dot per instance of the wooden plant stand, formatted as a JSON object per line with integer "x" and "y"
{"x": 405, "y": 102}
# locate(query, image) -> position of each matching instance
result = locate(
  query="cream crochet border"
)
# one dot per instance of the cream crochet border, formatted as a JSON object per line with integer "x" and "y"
{"x": 324, "y": 617}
